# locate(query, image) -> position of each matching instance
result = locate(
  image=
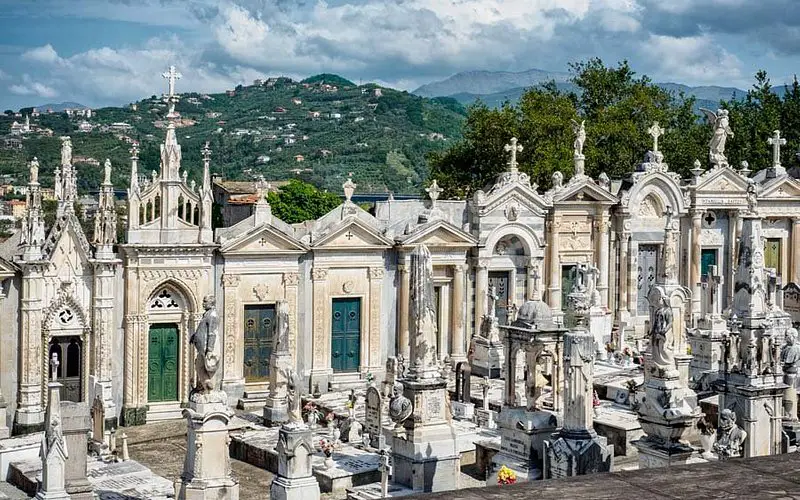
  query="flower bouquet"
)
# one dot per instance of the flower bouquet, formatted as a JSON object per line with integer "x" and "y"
{"x": 326, "y": 446}
{"x": 506, "y": 476}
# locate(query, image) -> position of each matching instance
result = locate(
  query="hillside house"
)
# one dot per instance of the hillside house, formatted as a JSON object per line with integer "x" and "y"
{"x": 358, "y": 119}
{"x": 280, "y": 109}
{"x": 230, "y": 93}
{"x": 297, "y": 101}
{"x": 335, "y": 116}
{"x": 86, "y": 160}
{"x": 289, "y": 140}
{"x": 258, "y": 82}
{"x": 377, "y": 92}
{"x": 325, "y": 152}
{"x": 299, "y": 158}
{"x": 16, "y": 208}
{"x": 314, "y": 115}
{"x": 85, "y": 127}
{"x": 12, "y": 143}
{"x": 236, "y": 198}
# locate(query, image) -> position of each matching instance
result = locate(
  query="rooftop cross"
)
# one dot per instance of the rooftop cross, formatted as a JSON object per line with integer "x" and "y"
{"x": 171, "y": 76}
{"x": 514, "y": 148}
{"x": 206, "y": 152}
{"x": 776, "y": 141}
{"x": 655, "y": 132}
{"x": 433, "y": 192}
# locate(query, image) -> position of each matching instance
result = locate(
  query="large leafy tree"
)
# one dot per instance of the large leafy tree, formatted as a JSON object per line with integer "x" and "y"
{"x": 618, "y": 108}
{"x": 300, "y": 201}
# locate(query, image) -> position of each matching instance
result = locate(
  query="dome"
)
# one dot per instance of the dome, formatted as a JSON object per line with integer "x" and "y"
{"x": 534, "y": 313}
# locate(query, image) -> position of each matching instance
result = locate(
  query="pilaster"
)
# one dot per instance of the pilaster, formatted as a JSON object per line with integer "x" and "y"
{"x": 30, "y": 414}
{"x": 402, "y": 310}
{"x": 794, "y": 274}
{"x": 376, "y": 275}
{"x": 290, "y": 284}
{"x": 457, "y": 309}
{"x": 554, "y": 277}
{"x": 320, "y": 362}
{"x": 603, "y": 227}
{"x": 694, "y": 276}
{"x": 103, "y": 352}
{"x": 481, "y": 285}
{"x": 233, "y": 368}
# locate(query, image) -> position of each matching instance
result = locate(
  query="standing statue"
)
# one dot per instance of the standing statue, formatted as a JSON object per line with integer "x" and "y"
{"x": 722, "y": 130}
{"x": 293, "y": 397}
{"x": 205, "y": 342}
{"x": 730, "y": 437}
{"x": 752, "y": 196}
{"x": 66, "y": 150}
{"x": 491, "y": 293}
{"x": 34, "y": 171}
{"x": 661, "y": 340}
{"x": 579, "y": 129}
{"x": 281, "y": 335}
{"x": 790, "y": 359}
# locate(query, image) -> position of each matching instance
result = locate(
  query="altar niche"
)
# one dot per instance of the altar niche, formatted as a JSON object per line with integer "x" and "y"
{"x": 68, "y": 350}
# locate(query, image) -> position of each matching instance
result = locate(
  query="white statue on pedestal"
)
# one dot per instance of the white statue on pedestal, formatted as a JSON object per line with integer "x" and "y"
{"x": 207, "y": 360}
{"x": 722, "y": 130}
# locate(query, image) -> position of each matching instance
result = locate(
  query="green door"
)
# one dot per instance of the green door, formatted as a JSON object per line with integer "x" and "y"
{"x": 259, "y": 324}
{"x": 707, "y": 258}
{"x": 346, "y": 335}
{"x": 162, "y": 376}
{"x": 567, "y": 281}
{"x": 772, "y": 254}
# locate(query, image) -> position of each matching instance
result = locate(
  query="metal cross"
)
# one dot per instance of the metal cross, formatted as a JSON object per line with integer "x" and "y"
{"x": 171, "y": 76}
{"x": 655, "y": 132}
{"x": 54, "y": 366}
{"x": 514, "y": 148}
{"x": 776, "y": 141}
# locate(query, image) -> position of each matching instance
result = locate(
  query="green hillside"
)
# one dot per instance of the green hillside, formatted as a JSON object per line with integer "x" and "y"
{"x": 381, "y": 135}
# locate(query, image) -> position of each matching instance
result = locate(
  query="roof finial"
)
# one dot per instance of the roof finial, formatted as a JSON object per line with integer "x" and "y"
{"x": 514, "y": 148}
{"x": 349, "y": 187}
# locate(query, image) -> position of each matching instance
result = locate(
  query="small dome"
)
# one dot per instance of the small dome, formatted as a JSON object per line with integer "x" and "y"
{"x": 534, "y": 313}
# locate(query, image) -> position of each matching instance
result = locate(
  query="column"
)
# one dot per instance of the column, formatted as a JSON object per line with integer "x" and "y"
{"x": 4, "y": 431}
{"x": 290, "y": 284}
{"x": 694, "y": 276}
{"x": 481, "y": 286}
{"x": 730, "y": 276}
{"x": 376, "y": 360}
{"x": 623, "y": 274}
{"x": 233, "y": 362}
{"x": 402, "y": 311}
{"x": 602, "y": 257}
{"x": 794, "y": 275}
{"x": 554, "y": 276}
{"x": 631, "y": 275}
{"x": 30, "y": 414}
{"x": 444, "y": 323}
{"x": 104, "y": 333}
{"x": 457, "y": 314}
{"x": 531, "y": 283}
{"x": 320, "y": 358}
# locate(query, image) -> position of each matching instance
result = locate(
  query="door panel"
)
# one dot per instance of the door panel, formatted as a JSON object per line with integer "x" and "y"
{"x": 69, "y": 352}
{"x": 346, "y": 335}
{"x": 500, "y": 281}
{"x": 772, "y": 254}
{"x": 567, "y": 282}
{"x": 162, "y": 373}
{"x": 707, "y": 258}
{"x": 259, "y": 326}
{"x": 646, "y": 278}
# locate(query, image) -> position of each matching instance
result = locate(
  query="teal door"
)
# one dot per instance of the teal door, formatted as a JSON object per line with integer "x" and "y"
{"x": 162, "y": 373}
{"x": 346, "y": 335}
{"x": 708, "y": 257}
{"x": 259, "y": 325}
{"x": 567, "y": 282}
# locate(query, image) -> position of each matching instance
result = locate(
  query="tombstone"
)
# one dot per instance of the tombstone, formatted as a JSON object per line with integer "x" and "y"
{"x": 125, "y": 455}
{"x": 295, "y": 479}
{"x": 75, "y": 424}
{"x": 99, "y": 443}
{"x": 53, "y": 451}
{"x": 373, "y": 418}
{"x": 463, "y": 408}
{"x": 384, "y": 468}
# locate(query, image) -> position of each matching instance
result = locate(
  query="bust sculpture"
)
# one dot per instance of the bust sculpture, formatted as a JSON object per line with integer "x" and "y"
{"x": 730, "y": 438}
{"x": 205, "y": 342}
{"x": 400, "y": 407}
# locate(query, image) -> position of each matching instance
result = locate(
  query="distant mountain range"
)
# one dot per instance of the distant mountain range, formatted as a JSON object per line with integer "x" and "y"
{"x": 61, "y": 106}
{"x": 496, "y": 87}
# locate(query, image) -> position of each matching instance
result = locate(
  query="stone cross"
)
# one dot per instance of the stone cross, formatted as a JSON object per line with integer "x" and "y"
{"x": 536, "y": 277}
{"x": 171, "y": 77}
{"x": 514, "y": 148}
{"x": 485, "y": 385}
{"x": 262, "y": 189}
{"x": 655, "y": 132}
{"x": 714, "y": 281}
{"x": 433, "y": 192}
{"x": 54, "y": 366}
{"x": 384, "y": 468}
{"x": 776, "y": 141}
{"x": 206, "y": 152}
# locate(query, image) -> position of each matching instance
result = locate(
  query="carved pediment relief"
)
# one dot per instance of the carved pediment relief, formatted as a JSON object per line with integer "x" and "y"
{"x": 440, "y": 233}
{"x": 264, "y": 240}
{"x": 650, "y": 208}
{"x": 353, "y": 235}
{"x": 722, "y": 180}
{"x": 787, "y": 188}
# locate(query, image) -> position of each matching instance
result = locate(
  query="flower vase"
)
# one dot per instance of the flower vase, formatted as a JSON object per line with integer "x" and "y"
{"x": 329, "y": 460}
{"x": 312, "y": 420}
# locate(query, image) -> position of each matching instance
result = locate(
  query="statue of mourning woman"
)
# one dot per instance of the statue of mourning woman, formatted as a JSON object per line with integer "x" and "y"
{"x": 206, "y": 364}
{"x": 661, "y": 341}
{"x": 293, "y": 398}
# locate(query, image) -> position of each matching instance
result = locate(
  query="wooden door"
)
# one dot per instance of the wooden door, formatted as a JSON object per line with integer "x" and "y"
{"x": 259, "y": 326}
{"x": 346, "y": 335}
{"x": 708, "y": 257}
{"x": 500, "y": 281}
{"x": 646, "y": 277}
{"x": 162, "y": 374}
{"x": 772, "y": 254}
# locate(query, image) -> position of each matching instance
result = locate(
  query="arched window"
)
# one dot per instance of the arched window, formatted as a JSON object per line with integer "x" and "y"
{"x": 165, "y": 301}
{"x": 73, "y": 358}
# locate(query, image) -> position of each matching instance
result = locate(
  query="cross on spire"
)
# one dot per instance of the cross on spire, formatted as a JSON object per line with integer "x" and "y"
{"x": 776, "y": 141}
{"x": 54, "y": 366}
{"x": 171, "y": 77}
{"x": 514, "y": 148}
{"x": 655, "y": 132}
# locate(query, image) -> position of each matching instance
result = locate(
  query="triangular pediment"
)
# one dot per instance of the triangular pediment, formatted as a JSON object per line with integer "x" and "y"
{"x": 352, "y": 233}
{"x": 437, "y": 234}
{"x": 722, "y": 180}
{"x": 7, "y": 269}
{"x": 68, "y": 256}
{"x": 583, "y": 191}
{"x": 264, "y": 239}
{"x": 523, "y": 196}
{"x": 782, "y": 188}
{"x": 67, "y": 231}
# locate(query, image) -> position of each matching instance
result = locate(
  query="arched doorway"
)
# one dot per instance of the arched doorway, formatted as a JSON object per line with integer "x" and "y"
{"x": 166, "y": 314}
{"x": 68, "y": 350}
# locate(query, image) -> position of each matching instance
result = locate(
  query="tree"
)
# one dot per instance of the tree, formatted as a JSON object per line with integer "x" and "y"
{"x": 618, "y": 108}
{"x": 299, "y": 201}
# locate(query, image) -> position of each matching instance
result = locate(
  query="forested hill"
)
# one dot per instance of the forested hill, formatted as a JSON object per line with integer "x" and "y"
{"x": 317, "y": 130}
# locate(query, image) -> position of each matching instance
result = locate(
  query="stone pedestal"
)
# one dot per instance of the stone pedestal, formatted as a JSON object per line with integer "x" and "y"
{"x": 758, "y": 403}
{"x": 275, "y": 410}
{"x": 523, "y": 434}
{"x": 572, "y": 455}
{"x": 488, "y": 358}
{"x": 600, "y": 328}
{"x": 295, "y": 479}
{"x": 652, "y": 455}
{"x": 207, "y": 468}
{"x": 463, "y": 411}
{"x": 76, "y": 421}
{"x": 424, "y": 451}
{"x": 4, "y": 431}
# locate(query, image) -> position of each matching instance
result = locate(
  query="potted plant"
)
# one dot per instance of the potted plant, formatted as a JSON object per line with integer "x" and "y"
{"x": 326, "y": 446}
{"x": 506, "y": 476}
{"x": 627, "y": 355}
{"x": 595, "y": 403}
{"x": 312, "y": 414}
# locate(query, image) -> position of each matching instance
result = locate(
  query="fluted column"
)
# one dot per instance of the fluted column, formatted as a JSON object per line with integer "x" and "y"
{"x": 604, "y": 228}
{"x": 730, "y": 280}
{"x": 554, "y": 277}
{"x": 694, "y": 276}
{"x": 321, "y": 359}
{"x": 622, "y": 306}
{"x": 794, "y": 275}
{"x": 402, "y": 311}
{"x": 457, "y": 311}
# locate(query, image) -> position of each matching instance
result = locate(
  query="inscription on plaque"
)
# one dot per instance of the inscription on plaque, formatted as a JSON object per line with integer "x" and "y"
{"x": 372, "y": 422}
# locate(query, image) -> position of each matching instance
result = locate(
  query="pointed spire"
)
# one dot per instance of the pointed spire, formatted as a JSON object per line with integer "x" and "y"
{"x": 134, "y": 181}
{"x": 206, "y": 197}
{"x": 66, "y": 180}
{"x": 105, "y": 220}
{"x": 53, "y": 450}
{"x": 32, "y": 233}
{"x": 171, "y": 150}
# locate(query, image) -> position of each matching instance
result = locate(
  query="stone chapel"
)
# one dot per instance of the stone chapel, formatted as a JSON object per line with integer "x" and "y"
{"x": 119, "y": 316}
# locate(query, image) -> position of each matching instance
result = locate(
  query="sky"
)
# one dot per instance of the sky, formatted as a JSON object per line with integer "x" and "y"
{"x": 112, "y": 52}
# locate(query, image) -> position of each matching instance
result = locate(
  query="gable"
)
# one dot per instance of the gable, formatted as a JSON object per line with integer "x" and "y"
{"x": 585, "y": 191}
{"x": 440, "y": 233}
{"x": 516, "y": 198}
{"x": 7, "y": 269}
{"x": 722, "y": 180}
{"x": 352, "y": 234}
{"x": 68, "y": 257}
{"x": 265, "y": 239}
{"x": 785, "y": 188}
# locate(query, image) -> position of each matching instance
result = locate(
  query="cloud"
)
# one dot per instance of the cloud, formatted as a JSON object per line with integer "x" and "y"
{"x": 32, "y": 88}
{"x": 45, "y": 54}
{"x": 696, "y": 59}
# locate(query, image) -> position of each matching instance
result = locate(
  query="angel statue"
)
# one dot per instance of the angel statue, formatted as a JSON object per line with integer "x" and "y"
{"x": 579, "y": 129}
{"x": 722, "y": 130}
